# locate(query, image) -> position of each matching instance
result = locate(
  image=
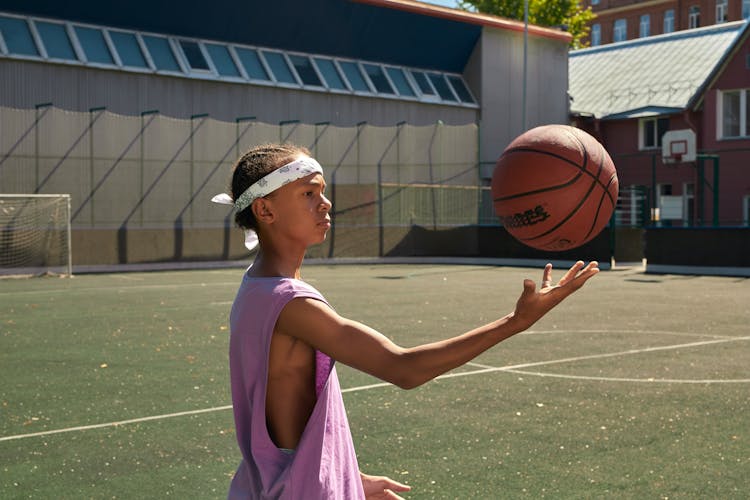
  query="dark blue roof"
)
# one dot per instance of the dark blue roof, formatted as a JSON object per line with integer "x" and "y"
{"x": 333, "y": 27}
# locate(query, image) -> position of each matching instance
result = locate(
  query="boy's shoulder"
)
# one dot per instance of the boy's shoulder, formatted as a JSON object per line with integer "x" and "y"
{"x": 280, "y": 286}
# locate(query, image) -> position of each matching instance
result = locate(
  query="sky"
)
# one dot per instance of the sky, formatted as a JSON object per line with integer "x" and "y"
{"x": 445, "y": 3}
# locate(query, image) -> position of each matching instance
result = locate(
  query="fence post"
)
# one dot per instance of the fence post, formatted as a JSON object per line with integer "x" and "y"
{"x": 314, "y": 145}
{"x": 142, "y": 174}
{"x": 38, "y": 117}
{"x": 237, "y": 132}
{"x": 283, "y": 139}
{"x": 192, "y": 160}
{"x": 653, "y": 189}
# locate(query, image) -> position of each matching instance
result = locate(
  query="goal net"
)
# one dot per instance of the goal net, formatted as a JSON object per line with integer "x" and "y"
{"x": 35, "y": 234}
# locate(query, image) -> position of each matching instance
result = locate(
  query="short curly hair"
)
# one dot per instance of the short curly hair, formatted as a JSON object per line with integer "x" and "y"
{"x": 255, "y": 164}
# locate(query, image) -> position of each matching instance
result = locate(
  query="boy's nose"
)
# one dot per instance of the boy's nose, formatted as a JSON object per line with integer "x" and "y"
{"x": 326, "y": 203}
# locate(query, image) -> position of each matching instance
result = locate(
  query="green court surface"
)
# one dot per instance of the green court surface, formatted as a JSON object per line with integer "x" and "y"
{"x": 638, "y": 386}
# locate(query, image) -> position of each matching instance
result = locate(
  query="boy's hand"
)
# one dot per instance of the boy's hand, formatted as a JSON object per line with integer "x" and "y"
{"x": 381, "y": 487}
{"x": 532, "y": 305}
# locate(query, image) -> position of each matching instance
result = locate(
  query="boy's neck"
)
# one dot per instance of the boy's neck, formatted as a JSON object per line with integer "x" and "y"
{"x": 271, "y": 266}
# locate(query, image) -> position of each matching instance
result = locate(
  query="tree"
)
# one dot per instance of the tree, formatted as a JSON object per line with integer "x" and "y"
{"x": 551, "y": 13}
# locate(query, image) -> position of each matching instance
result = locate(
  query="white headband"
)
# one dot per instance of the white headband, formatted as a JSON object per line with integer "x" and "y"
{"x": 297, "y": 169}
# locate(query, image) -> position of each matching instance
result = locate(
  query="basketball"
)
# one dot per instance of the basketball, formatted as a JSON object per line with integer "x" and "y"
{"x": 554, "y": 188}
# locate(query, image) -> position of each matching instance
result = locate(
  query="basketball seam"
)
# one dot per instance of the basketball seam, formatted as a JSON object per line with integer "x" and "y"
{"x": 581, "y": 170}
{"x": 580, "y": 203}
{"x": 601, "y": 200}
{"x": 542, "y": 190}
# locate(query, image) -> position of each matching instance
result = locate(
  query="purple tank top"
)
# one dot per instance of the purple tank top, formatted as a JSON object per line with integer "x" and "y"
{"x": 324, "y": 465}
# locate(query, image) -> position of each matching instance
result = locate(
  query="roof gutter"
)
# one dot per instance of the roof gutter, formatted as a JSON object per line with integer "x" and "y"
{"x": 467, "y": 17}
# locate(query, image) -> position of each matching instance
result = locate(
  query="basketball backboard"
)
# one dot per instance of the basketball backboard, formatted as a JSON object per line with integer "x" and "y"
{"x": 678, "y": 146}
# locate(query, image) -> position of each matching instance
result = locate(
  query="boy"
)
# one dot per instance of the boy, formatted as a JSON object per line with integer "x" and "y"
{"x": 289, "y": 413}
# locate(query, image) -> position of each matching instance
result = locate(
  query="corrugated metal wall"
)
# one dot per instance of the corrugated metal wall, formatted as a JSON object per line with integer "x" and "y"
{"x": 24, "y": 84}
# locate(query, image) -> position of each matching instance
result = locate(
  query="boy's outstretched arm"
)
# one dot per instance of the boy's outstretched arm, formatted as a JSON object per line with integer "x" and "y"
{"x": 363, "y": 348}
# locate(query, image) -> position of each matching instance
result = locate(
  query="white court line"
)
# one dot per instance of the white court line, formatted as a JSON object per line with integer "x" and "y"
{"x": 649, "y": 380}
{"x": 642, "y": 332}
{"x": 123, "y": 287}
{"x": 484, "y": 369}
{"x": 115, "y": 424}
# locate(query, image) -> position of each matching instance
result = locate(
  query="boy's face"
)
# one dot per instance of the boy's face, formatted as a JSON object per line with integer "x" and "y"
{"x": 301, "y": 210}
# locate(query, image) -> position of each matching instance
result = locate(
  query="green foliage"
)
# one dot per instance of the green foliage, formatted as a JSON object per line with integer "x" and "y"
{"x": 551, "y": 13}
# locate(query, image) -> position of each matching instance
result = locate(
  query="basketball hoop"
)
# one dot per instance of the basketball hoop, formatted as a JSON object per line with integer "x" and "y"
{"x": 678, "y": 146}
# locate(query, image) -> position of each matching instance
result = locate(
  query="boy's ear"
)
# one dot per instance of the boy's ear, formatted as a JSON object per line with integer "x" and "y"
{"x": 263, "y": 210}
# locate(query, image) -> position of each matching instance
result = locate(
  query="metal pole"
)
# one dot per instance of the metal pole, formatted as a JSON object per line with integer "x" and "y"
{"x": 525, "y": 61}
{"x": 70, "y": 239}
{"x": 716, "y": 190}
{"x": 92, "y": 208}
{"x": 701, "y": 191}
{"x": 192, "y": 162}
{"x": 142, "y": 173}
{"x": 36, "y": 143}
{"x": 653, "y": 188}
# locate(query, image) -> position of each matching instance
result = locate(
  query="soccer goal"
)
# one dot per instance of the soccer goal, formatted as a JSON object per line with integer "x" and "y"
{"x": 35, "y": 234}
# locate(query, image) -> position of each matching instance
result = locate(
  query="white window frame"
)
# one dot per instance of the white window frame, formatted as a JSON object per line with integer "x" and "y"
{"x": 596, "y": 35}
{"x": 387, "y": 78}
{"x": 185, "y": 63}
{"x": 343, "y": 75}
{"x": 43, "y": 49}
{"x": 78, "y": 46}
{"x": 668, "y": 24}
{"x": 409, "y": 82}
{"x": 314, "y": 67}
{"x": 722, "y": 11}
{"x": 642, "y": 133}
{"x": 620, "y": 30}
{"x": 694, "y": 17}
{"x": 644, "y": 26}
{"x": 435, "y": 97}
{"x": 216, "y": 75}
{"x": 347, "y": 89}
{"x": 36, "y": 40}
{"x": 744, "y": 131}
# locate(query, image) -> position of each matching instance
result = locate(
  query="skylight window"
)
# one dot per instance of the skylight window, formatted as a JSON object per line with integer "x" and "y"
{"x": 161, "y": 53}
{"x": 128, "y": 49}
{"x": 354, "y": 75}
{"x": 252, "y": 64}
{"x": 18, "y": 39}
{"x": 330, "y": 73}
{"x": 279, "y": 67}
{"x": 423, "y": 83}
{"x": 194, "y": 55}
{"x": 399, "y": 80}
{"x": 461, "y": 89}
{"x": 222, "y": 60}
{"x": 60, "y": 41}
{"x": 438, "y": 81}
{"x": 56, "y": 41}
{"x": 94, "y": 46}
{"x": 305, "y": 70}
{"x": 378, "y": 79}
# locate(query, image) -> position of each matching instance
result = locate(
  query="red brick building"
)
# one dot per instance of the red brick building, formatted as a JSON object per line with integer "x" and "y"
{"x": 619, "y": 20}
{"x": 628, "y": 94}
